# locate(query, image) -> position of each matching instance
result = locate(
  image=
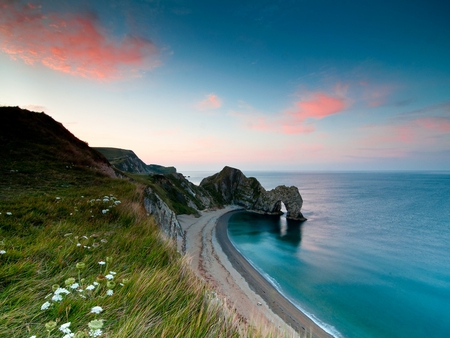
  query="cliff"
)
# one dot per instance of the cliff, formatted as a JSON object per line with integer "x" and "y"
{"x": 127, "y": 161}
{"x": 231, "y": 186}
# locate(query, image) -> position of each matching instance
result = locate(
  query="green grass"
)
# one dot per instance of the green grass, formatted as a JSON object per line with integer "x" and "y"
{"x": 40, "y": 237}
{"x": 43, "y": 240}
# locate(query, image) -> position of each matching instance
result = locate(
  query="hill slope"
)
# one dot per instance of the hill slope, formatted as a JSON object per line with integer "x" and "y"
{"x": 36, "y": 150}
{"x": 127, "y": 161}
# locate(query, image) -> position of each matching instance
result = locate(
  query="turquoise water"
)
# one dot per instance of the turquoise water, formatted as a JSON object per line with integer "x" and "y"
{"x": 373, "y": 259}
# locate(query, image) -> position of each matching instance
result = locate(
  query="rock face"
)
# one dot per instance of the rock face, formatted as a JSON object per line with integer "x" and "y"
{"x": 231, "y": 186}
{"x": 164, "y": 216}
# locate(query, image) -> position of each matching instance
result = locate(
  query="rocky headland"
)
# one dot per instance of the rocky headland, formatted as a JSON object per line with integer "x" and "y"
{"x": 231, "y": 186}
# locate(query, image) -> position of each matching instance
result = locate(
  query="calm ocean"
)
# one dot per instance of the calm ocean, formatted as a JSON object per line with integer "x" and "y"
{"x": 373, "y": 258}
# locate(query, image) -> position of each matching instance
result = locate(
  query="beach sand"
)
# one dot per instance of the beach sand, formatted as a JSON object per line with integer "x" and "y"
{"x": 244, "y": 290}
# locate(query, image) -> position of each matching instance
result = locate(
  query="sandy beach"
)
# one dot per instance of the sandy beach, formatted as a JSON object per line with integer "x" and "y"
{"x": 245, "y": 291}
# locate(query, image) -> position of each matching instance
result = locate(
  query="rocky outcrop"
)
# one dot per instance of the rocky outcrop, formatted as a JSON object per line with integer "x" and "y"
{"x": 231, "y": 186}
{"x": 164, "y": 216}
{"x": 127, "y": 161}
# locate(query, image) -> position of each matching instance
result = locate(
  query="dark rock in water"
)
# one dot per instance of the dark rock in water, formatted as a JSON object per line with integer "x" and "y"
{"x": 231, "y": 186}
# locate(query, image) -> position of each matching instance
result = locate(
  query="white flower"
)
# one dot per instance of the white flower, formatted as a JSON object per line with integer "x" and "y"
{"x": 104, "y": 211}
{"x": 117, "y": 202}
{"x": 33, "y": 337}
{"x": 95, "y": 333}
{"x": 69, "y": 335}
{"x": 9, "y": 213}
{"x": 109, "y": 277}
{"x": 78, "y": 244}
{"x": 64, "y": 328}
{"x": 90, "y": 287}
{"x": 61, "y": 290}
{"x": 101, "y": 263}
{"x": 113, "y": 273}
{"x": 45, "y": 306}
{"x": 74, "y": 286}
{"x": 2, "y": 252}
{"x": 110, "y": 292}
{"x": 58, "y": 198}
{"x": 95, "y": 283}
{"x": 96, "y": 309}
{"x": 57, "y": 298}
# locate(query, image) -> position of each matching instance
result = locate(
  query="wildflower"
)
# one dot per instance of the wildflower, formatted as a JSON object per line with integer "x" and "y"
{"x": 45, "y": 306}
{"x": 101, "y": 263}
{"x": 101, "y": 278}
{"x": 74, "y": 286}
{"x": 109, "y": 292}
{"x": 58, "y": 198}
{"x": 109, "y": 277}
{"x": 104, "y": 211}
{"x": 61, "y": 290}
{"x": 78, "y": 244}
{"x": 50, "y": 325}
{"x": 69, "y": 281}
{"x": 113, "y": 273}
{"x": 117, "y": 202}
{"x": 80, "y": 265}
{"x": 2, "y": 252}
{"x": 90, "y": 287}
{"x": 64, "y": 328}
{"x": 95, "y": 333}
{"x": 95, "y": 324}
{"x": 104, "y": 241}
{"x": 33, "y": 337}
{"x": 9, "y": 213}
{"x": 96, "y": 309}
{"x": 57, "y": 298}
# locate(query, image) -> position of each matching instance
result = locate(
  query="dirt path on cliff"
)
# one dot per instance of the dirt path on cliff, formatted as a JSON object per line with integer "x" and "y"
{"x": 209, "y": 262}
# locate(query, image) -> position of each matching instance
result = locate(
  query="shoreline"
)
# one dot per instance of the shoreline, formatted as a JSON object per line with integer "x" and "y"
{"x": 215, "y": 259}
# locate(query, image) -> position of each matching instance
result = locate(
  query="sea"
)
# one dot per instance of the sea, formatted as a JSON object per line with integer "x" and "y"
{"x": 371, "y": 261}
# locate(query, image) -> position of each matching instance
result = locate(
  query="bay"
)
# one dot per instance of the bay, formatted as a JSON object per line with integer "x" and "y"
{"x": 373, "y": 258}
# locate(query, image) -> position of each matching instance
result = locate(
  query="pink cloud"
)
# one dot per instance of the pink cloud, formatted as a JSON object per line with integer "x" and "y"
{"x": 298, "y": 120}
{"x": 211, "y": 101}
{"x": 421, "y": 131}
{"x": 72, "y": 44}
{"x": 438, "y": 124}
{"x": 319, "y": 106}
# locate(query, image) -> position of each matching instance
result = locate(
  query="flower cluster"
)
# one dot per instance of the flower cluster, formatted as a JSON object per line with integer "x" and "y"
{"x": 110, "y": 200}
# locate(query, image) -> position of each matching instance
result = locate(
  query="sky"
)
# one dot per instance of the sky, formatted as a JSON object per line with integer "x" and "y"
{"x": 256, "y": 85}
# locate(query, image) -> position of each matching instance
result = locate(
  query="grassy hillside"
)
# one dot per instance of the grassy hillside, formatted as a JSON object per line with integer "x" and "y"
{"x": 77, "y": 246}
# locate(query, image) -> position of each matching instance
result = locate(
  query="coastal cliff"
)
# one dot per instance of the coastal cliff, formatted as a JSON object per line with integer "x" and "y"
{"x": 127, "y": 161}
{"x": 231, "y": 186}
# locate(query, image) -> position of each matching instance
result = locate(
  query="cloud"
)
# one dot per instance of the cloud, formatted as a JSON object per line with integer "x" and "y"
{"x": 298, "y": 120}
{"x": 211, "y": 101}
{"x": 74, "y": 44}
{"x": 424, "y": 131}
{"x": 317, "y": 107}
